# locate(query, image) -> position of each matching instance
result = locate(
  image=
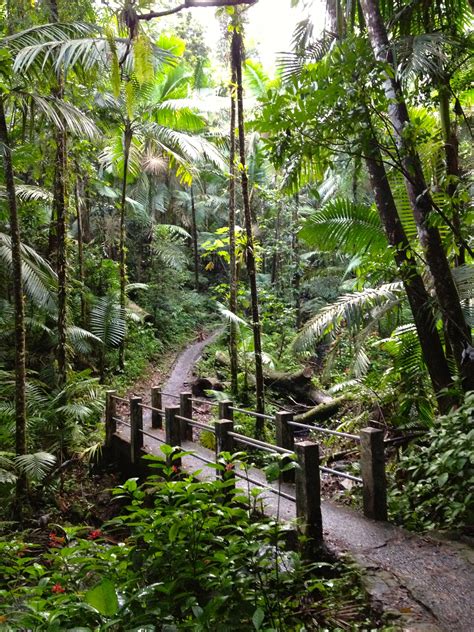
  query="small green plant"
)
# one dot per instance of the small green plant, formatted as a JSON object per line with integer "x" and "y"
{"x": 435, "y": 481}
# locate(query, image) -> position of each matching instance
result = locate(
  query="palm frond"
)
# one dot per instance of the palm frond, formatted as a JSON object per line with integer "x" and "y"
{"x": 346, "y": 226}
{"x": 36, "y": 465}
{"x": 350, "y": 309}
{"x": 40, "y": 280}
{"x": 107, "y": 321}
{"x": 81, "y": 340}
{"x": 29, "y": 193}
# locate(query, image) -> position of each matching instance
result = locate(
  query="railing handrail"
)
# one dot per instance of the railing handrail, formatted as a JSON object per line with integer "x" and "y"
{"x": 251, "y": 413}
{"x": 120, "y": 399}
{"x": 148, "y": 407}
{"x": 203, "y": 401}
{"x": 259, "y": 444}
{"x": 197, "y": 424}
{"x": 337, "y": 433}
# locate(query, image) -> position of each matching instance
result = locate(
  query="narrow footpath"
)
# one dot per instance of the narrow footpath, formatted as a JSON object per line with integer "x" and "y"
{"x": 427, "y": 584}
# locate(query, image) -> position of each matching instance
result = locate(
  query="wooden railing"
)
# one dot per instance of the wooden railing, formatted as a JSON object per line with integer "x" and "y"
{"x": 178, "y": 425}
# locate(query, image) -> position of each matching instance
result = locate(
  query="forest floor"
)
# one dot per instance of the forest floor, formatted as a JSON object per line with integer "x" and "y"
{"x": 426, "y": 583}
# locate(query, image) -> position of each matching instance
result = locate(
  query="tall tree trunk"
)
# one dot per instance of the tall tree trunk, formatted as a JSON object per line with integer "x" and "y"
{"x": 458, "y": 332}
{"x": 17, "y": 282}
{"x": 195, "y": 241}
{"x": 451, "y": 151}
{"x": 237, "y": 50}
{"x": 59, "y": 204}
{"x": 80, "y": 245}
{"x": 234, "y": 363}
{"x": 127, "y": 141}
{"x": 418, "y": 296}
{"x": 296, "y": 261}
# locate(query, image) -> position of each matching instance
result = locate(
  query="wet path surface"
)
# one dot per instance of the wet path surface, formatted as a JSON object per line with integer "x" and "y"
{"x": 429, "y": 583}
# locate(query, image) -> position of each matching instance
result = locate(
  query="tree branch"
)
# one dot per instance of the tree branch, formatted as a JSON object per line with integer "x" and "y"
{"x": 194, "y": 4}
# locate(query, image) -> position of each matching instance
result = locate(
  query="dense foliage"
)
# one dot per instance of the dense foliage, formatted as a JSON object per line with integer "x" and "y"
{"x": 177, "y": 557}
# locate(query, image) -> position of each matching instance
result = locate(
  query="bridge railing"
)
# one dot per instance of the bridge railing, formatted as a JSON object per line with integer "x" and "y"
{"x": 179, "y": 424}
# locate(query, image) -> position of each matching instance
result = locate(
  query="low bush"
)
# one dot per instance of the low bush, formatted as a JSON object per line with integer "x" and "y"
{"x": 180, "y": 556}
{"x": 434, "y": 487}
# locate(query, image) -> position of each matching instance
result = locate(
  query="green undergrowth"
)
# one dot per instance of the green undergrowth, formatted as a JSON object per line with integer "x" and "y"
{"x": 434, "y": 481}
{"x": 181, "y": 555}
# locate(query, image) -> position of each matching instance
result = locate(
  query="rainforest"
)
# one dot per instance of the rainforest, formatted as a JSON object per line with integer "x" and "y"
{"x": 236, "y": 313}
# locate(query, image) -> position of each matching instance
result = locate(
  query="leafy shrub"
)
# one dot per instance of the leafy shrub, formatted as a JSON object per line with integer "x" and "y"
{"x": 182, "y": 556}
{"x": 435, "y": 481}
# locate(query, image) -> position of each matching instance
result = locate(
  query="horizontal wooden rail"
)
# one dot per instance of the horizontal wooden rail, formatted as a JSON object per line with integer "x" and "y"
{"x": 264, "y": 486}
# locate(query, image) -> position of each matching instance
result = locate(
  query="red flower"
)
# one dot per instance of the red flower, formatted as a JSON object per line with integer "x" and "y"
{"x": 55, "y": 541}
{"x": 57, "y": 588}
{"x": 175, "y": 469}
{"x": 96, "y": 533}
{"x": 229, "y": 467}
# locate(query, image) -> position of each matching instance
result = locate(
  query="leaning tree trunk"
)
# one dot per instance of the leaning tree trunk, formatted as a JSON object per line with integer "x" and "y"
{"x": 418, "y": 297}
{"x": 127, "y": 141}
{"x": 237, "y": 46}
{"x": 17, "y": 282}
{"x": 234, "y": 363}
{"x": 422, "y": 205}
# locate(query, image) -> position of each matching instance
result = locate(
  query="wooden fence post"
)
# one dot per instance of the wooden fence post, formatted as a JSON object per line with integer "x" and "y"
{"x": 172, "y": 430}
{"x": 136, "y": 427}
{"x": 285, "y": 438}
{"x": 372, "y": 466}
{"x": 186, "y": 410}
{"x": 225, "y": 443}
{"x": 156, "y": 418}
{"x": 110, "y": 423}
{"x": 308, "y": 495}
{"x": 225, "y": 411}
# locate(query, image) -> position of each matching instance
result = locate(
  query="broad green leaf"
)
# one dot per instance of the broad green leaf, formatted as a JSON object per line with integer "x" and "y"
{"x": 103, "y": 598}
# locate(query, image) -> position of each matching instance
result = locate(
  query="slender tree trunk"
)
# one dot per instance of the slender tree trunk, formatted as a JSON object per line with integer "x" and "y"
{"x": 250, "y": 248}
{"x": 17, "y": 282}
{"x": 451, "y": 151}
{"x": 234, "y": 363}
{"x": 59, "y": 203}
{"x": 418, "y": 297}
{"x": 127, "y": 141}
{"x": 195, "y": 242}
{"x": 296, "y": 261}
{"x": 276, "y": 253}
{"x": 458, "y": 332}
{"x": 80, "y": 246}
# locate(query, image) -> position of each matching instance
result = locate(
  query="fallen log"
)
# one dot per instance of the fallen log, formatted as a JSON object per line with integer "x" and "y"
{"x": 202, "y": 384}
{"x": 322, "y": 411}
{"x": 298, "y": 384}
